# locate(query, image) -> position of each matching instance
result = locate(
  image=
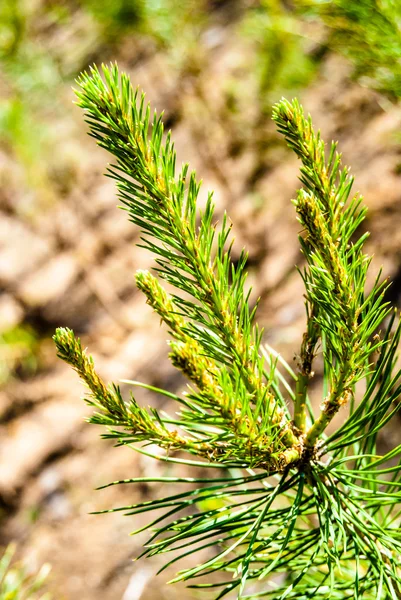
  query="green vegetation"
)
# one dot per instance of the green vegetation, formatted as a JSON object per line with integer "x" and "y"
{"x": 368, "y": 32}
{"x": 18, "y": 352}
{"x": 319, "y": 509}
{"x": 17, "y": 583}
{"x": 44, "y": 45}
{"x": 282, "y": 63}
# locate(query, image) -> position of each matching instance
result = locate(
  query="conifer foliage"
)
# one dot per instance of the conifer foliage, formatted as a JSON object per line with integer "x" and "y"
{"x": 322, "y": 510}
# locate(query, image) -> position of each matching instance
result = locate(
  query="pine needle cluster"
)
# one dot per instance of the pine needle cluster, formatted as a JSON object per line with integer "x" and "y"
{"x": 321, "y": 510}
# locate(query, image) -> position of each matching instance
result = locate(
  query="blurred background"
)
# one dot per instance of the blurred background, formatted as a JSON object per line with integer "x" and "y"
{"x": 68, "y": 255}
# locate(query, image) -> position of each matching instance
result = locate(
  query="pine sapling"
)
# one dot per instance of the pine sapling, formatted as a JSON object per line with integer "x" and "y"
{"x": 321, "y": 509}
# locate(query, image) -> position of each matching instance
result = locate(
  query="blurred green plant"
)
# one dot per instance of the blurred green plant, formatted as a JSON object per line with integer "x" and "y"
{"x": 282, "y": 62}
{"x": 368, "y": 32}
{"x": 279, "y": 59}
{"x": 18, "y": 352}
{"x": 30, "y": 77}
{"x": 158, "y": 19}
{"x": 117, "y": 16}
{"x": 17, "y": 582}
{"x": 44, "y": 44}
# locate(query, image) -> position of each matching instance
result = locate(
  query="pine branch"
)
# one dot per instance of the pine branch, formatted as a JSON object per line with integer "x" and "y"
{"x": 335, "y": 281}
{"x": 322, "y": 512}
{"x": 162, "y": 206}
{"x": 114, "y": 412}
{"x": 213, "y": 381}
{"x": 219, "y": 317}
{"x": 308, "y": 349}
{"x": 232, "y": 438}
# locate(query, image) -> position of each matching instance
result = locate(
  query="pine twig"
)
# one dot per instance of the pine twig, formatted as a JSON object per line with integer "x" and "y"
{"x": 337, "y": 268}
{"x": 328, "y": 528}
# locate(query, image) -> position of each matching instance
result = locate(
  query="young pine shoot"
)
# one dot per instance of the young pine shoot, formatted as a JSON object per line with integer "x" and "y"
{"x": 321, "y": 511}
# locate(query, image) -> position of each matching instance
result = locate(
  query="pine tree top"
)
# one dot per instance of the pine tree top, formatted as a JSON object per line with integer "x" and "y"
{"x": 322, "y": 509}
